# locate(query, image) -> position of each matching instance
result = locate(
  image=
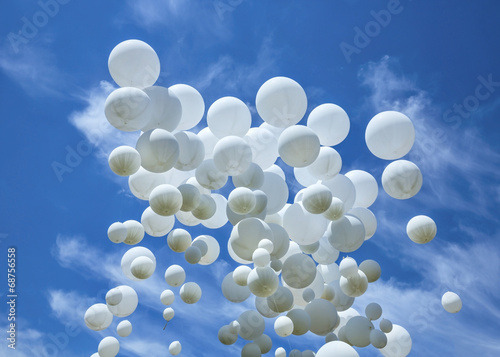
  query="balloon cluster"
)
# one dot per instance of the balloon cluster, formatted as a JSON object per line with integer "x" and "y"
{"x": 286, "y": 252}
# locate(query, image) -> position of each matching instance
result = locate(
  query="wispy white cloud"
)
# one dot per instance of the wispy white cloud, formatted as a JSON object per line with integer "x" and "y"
{"x": 34, "y": 68}
{"x": 448, "y": 156}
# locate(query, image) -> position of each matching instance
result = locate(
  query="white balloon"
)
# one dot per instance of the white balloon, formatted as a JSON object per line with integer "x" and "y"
{"x": 398, "y": 342}
{"x": 209, "y": 176}
{"x": 219, "y": 219}
{"x": 378, "y": 339}
{"x": 262, "y": 282}
{"x": 98, "y": 317}
{"x": 190, "y": 197}
{"x": 117, "y": 232}
{"x": 276, "y": 191}
{"x": 303, "y": 227}
{"x": 251, "y": 350}
{"x": 261, "y": 257}
{"x": 232, "y": 291}
{"x": 421, "y": 229}
{"x": 324, "y": 317}
{"x": 301, "y": 321}
{"x": 366, "y": 187}
{"x": 192, "y": 105}
{"x": 108, "y": 347}
{"x": 283, "y": 326}
{"x": 179, "y": 240}
{"x": 373, "y": 311}
{"x": 124, "y": 328}
{"x": 226, "y": 337}
{"x": 241, "y": 200}
{"x": 124, "y": 108}
{"x": 135, "y": 232}
{"x": 191, "y": 151}
{"x": 190, "y": 293}
{"x": 390, "y": 135}
{"x": 192, "y": 255}
{"x": 175, "y": 348}
{"x": 335, "y": 211}
{"x": 371, "y": 269}
{"x": 206, "y": 208}
{"x": 281, "y": 300}
{"x": 213, "y": 249}
{"x": 299, "y": 271}
{"x": 367, "y": 218}
{"x": 354, "y": 286}
{"x": 385, "y": 325}
{"x": 124, "y": 160}
{"x": 128, "y": 303}
{"x": 342, "y": 188}
{"x": 348, "y": 267}
{"x": 330, "y": 122}
{"x": 317, "y": 198}
{"x": 451, "y": 302}
{"x": 156, "y": 225}
{"x": 326, "y": 253}
{"x": 167, "y": 297}
{"x": 142, "y": 267}
{"x": 358, "y": 331}
{"x": 263, "y": 308}
{"x": 402, "y": 179}
{"x": 229, "y": 116}
{"x": 164, "y": 111}
{"x": 134, "y": 63}
{"x": 143, "y": 182}
{"x": 346, "y": 234}
{"x": 175, "y": 275}
{"x": 298, "y": 146}
{"x": 252, "y": 178}
{"x": 264, "y": 146}
{"x": 336, "y": 349}
{"x": 129, "y": 257}
{"x": 168, "y": 314}
{"x": 232, "y": 155}
{"x": 265, "y": 343}
{"x": 159, "y": 150}
{"x": 240, "y": 275}
{"x": 327, "y": 165}
{"x": 252, "y": 325}
{"x": 281, "y": 102}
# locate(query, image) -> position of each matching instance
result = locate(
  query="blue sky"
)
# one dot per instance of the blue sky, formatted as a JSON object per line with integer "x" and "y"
{"x": 433, "y": 61}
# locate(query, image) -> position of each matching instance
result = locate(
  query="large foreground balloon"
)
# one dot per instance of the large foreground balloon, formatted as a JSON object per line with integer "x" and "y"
{"x": 134, "y": 63}
{"x": 390, "y": 135}
{"x": 402, "y": 179}
{"x": 281, "y": 102}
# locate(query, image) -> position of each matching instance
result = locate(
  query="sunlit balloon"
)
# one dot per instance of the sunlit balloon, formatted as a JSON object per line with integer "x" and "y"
{"x": 283, "y": 326}
{"x": 164, "y": 111}
{"x": 327, "y": 165}
{"x": 124, "y": 160}
{"x": 117, "y": 232}
{"x": 167, "y": 297}
{"x": 398, "y": 342}
{"x": 128, "y": 302}
{"x": 134, "y": 63}
{"x": 175, "y": 348}
{"x": 451, "y": 302}
{"x": 190, "y": 293}
{"x": 192, "y": 105}
{"x": 366, "y": 187}
{"x": 229, "y": 116}
{"x": 299, "y": 271}
{"x": 367, "y": 218}
{"x": 191, "y": 151}
{"x": 317, "y": 198}
{"x": 209, "y": 176}
{"x": 130, "y": 256}
{"x": 124, "y": 328}
{"x": 262, "y": 281}
{"x": 156, "y": 225}
{"x": 108, "y": 347}
{"x": 371, "y": 269}
{"x": 298, "y": 146}
{"x": 98, "y": 317}
{"x": 330, "y": 122}
{"x": 347, "y": 234}
{"x": 179, "y": 240}
{"x": 390, "y": 135}
{"x": 159, "y": 150}
{"x": 421, "y": 229}
{"x": 402, "y": 179}
{"x": 124, "y": 108}
{"x": 135, "y": 232}
{"x": 232, "y": 155}
{"x": 143, "y": 182}
{"x": 264, "y": 146}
